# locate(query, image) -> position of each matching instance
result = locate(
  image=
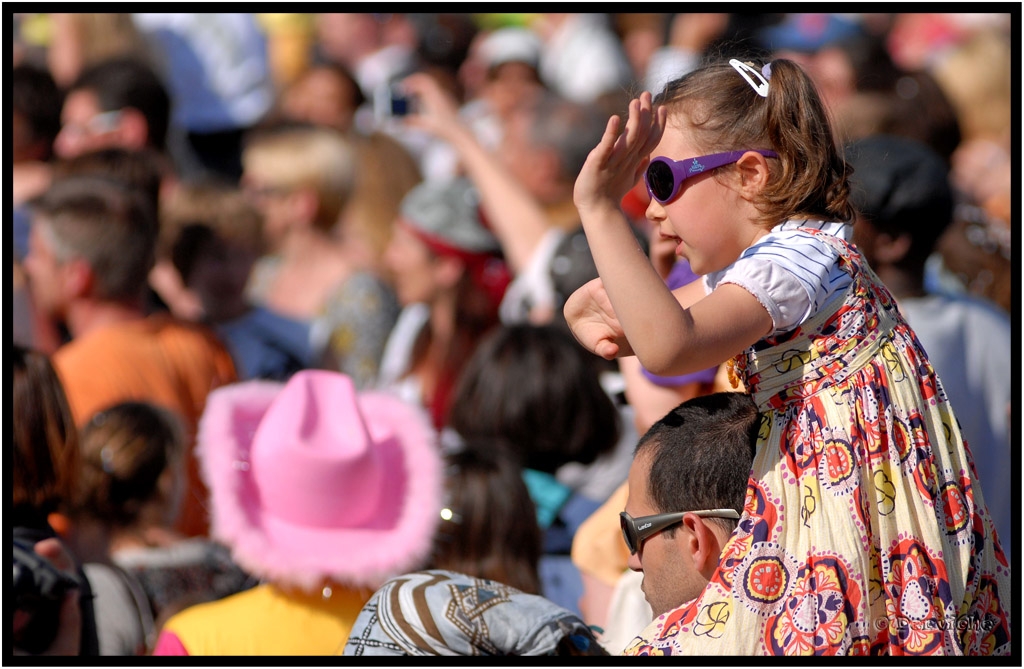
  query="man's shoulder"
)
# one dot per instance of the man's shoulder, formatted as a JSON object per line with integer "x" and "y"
{"x": 142, "y": 328}
{"x": 175, "y": 334}
{"x": 157, "y": 334}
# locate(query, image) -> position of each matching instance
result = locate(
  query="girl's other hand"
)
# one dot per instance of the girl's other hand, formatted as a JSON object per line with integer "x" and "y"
{"x": 618, "y": 161}
{"x": 592, "y": 320}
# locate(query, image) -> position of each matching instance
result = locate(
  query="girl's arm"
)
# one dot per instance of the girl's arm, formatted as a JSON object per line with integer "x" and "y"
{"x": 671, "y": 333}
{"x": 696, "y": 332}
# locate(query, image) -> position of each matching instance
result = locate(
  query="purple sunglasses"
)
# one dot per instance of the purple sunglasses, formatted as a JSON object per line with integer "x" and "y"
{"x": 664, "y": 176}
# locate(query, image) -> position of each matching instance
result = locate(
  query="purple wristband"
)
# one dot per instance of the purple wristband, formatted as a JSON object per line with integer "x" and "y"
{"x": 681, "y": 275}
{"x": 703, "y": 376}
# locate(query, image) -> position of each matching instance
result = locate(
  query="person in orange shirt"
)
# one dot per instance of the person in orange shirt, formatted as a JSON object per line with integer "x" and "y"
{"x": 91, "y": 247}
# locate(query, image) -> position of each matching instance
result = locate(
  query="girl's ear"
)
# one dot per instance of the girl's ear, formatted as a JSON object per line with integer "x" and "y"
{"x": 891, "y": 248}
{"x": 754, "y": 173}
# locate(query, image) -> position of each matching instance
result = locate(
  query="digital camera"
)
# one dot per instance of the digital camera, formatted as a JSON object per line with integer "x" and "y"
{"x": 39, "y": 589}
{"x": 390, "y": 101}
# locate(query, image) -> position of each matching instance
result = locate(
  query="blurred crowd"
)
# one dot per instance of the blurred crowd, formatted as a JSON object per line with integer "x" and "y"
{"x": 288, "y": 297}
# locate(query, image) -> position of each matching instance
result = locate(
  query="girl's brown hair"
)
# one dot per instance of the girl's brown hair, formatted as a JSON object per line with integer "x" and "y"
{"x": 125, "y": 450}
{"x": 727, "y": 114}
{"x": 490, "y": 525}
{"x": 46, "y": 456}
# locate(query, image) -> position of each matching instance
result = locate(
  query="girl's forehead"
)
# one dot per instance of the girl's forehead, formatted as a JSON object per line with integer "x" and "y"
{"x": 678, "y": 138}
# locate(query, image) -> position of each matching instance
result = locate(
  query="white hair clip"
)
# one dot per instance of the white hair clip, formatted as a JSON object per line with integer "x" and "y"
{"x": 745, "y": 72}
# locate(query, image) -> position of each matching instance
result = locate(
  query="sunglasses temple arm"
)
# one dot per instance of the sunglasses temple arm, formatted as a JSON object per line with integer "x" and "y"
{"x": 718, "y": 513}
{"x": 661, "y": 524}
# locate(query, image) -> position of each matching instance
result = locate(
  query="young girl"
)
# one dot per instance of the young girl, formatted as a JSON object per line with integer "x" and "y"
{"x": 864, "y": 529}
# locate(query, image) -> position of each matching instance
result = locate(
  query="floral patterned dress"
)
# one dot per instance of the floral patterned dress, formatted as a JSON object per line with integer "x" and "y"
{"x": 864, "y": 529}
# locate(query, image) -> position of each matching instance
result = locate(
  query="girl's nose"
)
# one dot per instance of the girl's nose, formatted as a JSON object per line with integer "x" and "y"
{"x": 655, "y": 212}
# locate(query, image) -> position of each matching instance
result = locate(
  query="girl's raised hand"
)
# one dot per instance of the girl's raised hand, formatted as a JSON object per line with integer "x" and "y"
{"x": 592, "y": 320}
{"x": 619, "y": 159}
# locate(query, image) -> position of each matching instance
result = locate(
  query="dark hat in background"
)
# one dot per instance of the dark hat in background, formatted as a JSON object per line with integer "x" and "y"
{"x": 808, "y": 33}
{"x": 572, "y": 264}
{"x": 901, "y": 186}
{"x": 449, "y": 213}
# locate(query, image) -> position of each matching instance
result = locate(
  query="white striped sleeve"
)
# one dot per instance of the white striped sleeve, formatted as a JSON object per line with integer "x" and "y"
{"x": 791, "y": 273}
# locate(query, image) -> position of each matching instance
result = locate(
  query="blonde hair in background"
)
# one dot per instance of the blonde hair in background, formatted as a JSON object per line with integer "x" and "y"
{"x": 295, "y": 158}
{"x": 977, "y": 77}
{"x": 387, "y": 171}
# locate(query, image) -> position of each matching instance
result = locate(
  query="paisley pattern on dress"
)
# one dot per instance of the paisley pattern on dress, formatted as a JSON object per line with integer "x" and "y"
{"x": 865, "y": 531}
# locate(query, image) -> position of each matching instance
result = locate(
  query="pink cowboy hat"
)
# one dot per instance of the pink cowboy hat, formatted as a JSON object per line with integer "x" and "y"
{"x": 309, "y": 480}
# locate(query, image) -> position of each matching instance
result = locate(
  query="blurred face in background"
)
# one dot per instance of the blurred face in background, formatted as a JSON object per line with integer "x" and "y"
{"x": 47, "y": 273}
{"x": 348, "y": 37}
{"x": 220, "y": 271}
{"x": 412, "y": 266}
{"x": 510, "y": 86}
{"x": 274, "y": 203}
{"x": 321, "y": 96}
{"x": 519, "y": 152}
{"x": 85, "y": 126}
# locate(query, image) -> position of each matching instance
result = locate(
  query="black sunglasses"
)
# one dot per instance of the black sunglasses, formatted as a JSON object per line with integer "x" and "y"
{"x": 637, "y": 530}
{"x": 664, "y": 176}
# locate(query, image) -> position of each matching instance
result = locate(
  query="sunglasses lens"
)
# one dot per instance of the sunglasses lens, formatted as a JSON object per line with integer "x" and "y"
{"x": 627, "y": 535}
{"x": 660, "y": 180}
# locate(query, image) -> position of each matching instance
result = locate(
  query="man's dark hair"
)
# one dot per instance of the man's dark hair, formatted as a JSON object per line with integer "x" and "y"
{"x": 109, "y": 225}
{"x": 700, "y": 454}
{"x": 537, "y": 389}
{"x": 901, "y": 185}
{"x": 35, "y": 96}
{"x": 142, "y": 170}
{"x": 123, "y": 82}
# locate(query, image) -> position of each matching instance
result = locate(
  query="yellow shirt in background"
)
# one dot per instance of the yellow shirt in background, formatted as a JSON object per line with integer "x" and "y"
{"x": 265, "y": 620}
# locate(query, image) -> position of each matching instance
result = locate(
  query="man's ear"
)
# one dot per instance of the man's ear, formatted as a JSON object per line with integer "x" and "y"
{"x": 703, "y": 544}
{"x": 891, "y": 249}
{"x": 133, "y": 128}
{"x": 79, "y": 278}
{"x": 754, "y": 173}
